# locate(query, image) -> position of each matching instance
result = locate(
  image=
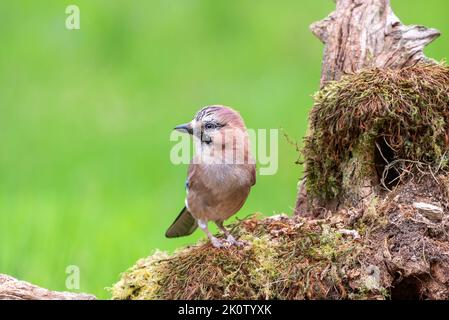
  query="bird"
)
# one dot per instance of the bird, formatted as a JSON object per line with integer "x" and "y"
{"x": 220, "y": 175}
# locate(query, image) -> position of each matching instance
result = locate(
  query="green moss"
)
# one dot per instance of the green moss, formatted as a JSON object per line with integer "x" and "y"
{"x": 407, "y": 108}
{"x": 145, "y": 277}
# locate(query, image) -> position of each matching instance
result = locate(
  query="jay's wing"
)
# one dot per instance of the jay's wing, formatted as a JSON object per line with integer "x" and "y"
{"x": 253, "y": 175}
{"x": 184, "y": 225}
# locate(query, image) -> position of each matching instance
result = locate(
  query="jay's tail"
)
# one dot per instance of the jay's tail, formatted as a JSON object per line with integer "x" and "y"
{"x": 184, "y": 225}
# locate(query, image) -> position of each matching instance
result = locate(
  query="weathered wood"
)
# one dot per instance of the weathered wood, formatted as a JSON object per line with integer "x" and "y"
{"x": 366, "y": 33}
{"x": 363, "y": 34}
{"x": 13, "y": 289}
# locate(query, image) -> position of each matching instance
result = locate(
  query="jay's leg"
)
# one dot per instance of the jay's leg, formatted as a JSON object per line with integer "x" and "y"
{"x": 215, "y": 242}
{"x": 229, "y": 236}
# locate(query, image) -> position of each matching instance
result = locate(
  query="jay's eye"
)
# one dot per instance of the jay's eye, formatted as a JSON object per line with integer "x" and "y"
{"x": 210, "y": 126}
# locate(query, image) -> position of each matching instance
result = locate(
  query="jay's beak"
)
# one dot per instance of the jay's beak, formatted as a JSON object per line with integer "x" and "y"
{"x": 185, "y": 128}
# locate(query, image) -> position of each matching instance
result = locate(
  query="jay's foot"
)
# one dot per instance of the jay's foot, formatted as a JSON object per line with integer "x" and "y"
{"x": 218, "y": 243}
{"x": 226, "y": 243}
{"x": 231, "y": 240}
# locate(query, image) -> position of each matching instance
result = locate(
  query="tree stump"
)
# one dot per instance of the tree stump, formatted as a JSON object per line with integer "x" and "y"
{"x": 363, "y": 34}
{"x": 360, "y": 35}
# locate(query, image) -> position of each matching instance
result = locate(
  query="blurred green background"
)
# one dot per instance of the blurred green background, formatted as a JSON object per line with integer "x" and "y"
{"x": 85, "y": 118}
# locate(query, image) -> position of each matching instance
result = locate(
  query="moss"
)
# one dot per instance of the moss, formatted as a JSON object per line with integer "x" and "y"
{"x": 145, "y": 277}
{"x": 296, "y": 258}
{"x": 285, "y": 259}
{"x": 407, "y": 108}
{"x": 373, "y": 218}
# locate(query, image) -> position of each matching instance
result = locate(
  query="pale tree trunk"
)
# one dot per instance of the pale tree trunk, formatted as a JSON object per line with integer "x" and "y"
{"x": 362, "y": 34}
{"x": 13, "y": 289}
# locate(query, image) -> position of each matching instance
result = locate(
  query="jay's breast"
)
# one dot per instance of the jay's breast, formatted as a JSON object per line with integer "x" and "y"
{"x": 221, "y": 192}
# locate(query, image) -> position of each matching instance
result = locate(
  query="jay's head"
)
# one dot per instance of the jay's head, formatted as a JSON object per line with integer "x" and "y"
{"x": 212, "y": 125}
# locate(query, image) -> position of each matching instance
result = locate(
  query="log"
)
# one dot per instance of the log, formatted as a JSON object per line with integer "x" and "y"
{"x": 13, "y": 289}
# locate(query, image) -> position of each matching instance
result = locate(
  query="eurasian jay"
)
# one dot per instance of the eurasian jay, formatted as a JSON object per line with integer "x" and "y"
{"x": 220, "y": 174}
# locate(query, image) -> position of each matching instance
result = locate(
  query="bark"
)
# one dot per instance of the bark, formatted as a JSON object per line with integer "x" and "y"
{"x": 362, "y": 34}
{"x": 366, "y": 33}
{"x": 13, "y": 289}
